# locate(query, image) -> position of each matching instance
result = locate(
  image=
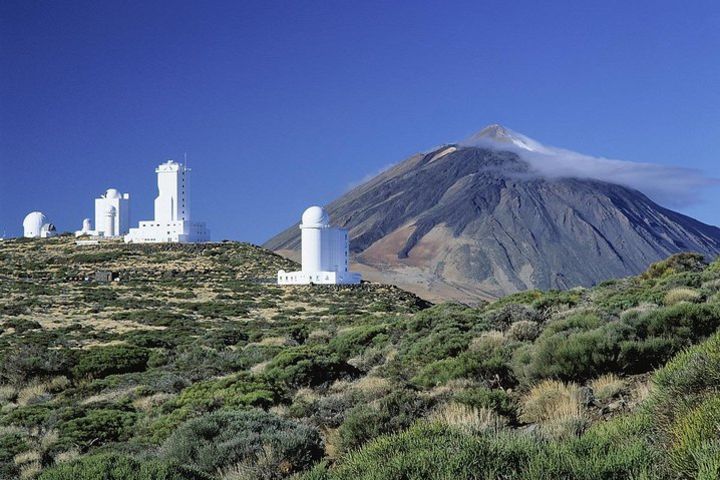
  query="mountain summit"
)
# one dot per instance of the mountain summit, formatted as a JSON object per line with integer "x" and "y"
{"x": 503, "y": 136}
{"x": 475, "y": 220}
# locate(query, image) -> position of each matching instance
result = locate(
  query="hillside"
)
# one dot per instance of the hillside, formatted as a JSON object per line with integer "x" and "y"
{"x": 193, "y": 366}
{"x": 476, "y": 221}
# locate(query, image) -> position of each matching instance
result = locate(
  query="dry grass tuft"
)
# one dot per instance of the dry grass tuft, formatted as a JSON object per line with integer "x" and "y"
{"x": 681, "y": 294}
{"x": 111, "y": 396}
{"x": 259, "y": 367}
{"x": 48, "y": 439}
{"x": 33, "y": 393}
{"x": 306, "y": 395}
{"x": 67, "y": 456}
{"x": 276, "y": 342}
{"x": 551, "y": 400}
{"x": 640, "y": 309}
{"x": 26, "y": 457}
{"x": 58, "y": 384}
{"x": 487, "y": 341}
{"x": 607, "y": 386}
{"x": 280, "y": 410}
{"x": 641, "y": 392}
{"x": 12, "y": 430}
{"x": 8, "y": 393}
{"x": 147, "y": 404}
{"x": 373, "y": 386}
{"x": 30, "y": 471}
{"x": 713, "y": 285}
{"x": 469, "y": 419}
{"x": 524, "y": 330}
{"x": 319, "y": 336}
{"x": 451, "y": 388}
{"x": 370, "y": 358}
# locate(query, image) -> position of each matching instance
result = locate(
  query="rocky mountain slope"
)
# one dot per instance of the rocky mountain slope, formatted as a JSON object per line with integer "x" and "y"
{"x": 475, "y": 220}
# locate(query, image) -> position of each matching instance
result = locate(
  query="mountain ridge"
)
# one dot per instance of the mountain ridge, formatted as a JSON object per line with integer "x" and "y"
{"x": 476, "y": 221}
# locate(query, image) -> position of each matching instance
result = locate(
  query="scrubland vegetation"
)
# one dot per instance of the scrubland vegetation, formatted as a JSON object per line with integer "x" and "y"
{"x": 195, "y": 366}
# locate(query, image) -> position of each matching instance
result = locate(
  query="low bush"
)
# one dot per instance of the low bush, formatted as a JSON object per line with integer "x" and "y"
{"x": 99, "y": 362}
{"x": 353, "y": 341}
{"x": 96, "y": 427}
{"x": 682, "y": 262}
{"x": 391, "y": 413}
{"x": 494, "y": 399}
{"x": 693, "y": 432}
{"x": 572, "y": 354}
{"x": 681, "y": 294}
{"x": 309, "y": 365}
{"x": 267, "y": 445}
{"x": 524, "y": 331}
{"x": 117, "y": 467}
{"x": 616, "y": 450}
{"x": 234, "y": 391}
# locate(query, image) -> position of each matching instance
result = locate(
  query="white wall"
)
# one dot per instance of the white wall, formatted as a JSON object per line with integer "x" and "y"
{"x": 172, "y": 203}
{"x": 122, "y": 215}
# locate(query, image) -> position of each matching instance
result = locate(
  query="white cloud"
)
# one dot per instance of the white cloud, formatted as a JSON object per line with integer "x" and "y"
{"x": 669, "y": 185}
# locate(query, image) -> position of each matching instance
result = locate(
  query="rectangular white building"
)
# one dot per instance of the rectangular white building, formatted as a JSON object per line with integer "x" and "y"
{"x": 172, "y": 211}
{"x": 112, "y": 216}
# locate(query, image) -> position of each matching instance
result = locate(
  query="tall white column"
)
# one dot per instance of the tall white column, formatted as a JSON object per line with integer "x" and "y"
{"x": 311, "y": 249}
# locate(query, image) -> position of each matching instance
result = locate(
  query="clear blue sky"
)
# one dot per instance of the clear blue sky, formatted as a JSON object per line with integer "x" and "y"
{"x": 284, "y": 104}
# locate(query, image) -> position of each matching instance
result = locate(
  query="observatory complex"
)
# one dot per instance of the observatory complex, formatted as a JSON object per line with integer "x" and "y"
{"x": 325, "y": 252}
{"x": 36, "y": 225}
{"x": 112, "y": 216}
{"x": 172, "y": 211}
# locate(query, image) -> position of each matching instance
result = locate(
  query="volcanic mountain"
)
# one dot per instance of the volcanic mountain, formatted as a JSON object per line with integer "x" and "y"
{"x": 477, "y": 220}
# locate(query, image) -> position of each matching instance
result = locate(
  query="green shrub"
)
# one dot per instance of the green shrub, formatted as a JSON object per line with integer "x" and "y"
{"x": 21, "y": 325}
{"x": 309, "y": 365}
{"x": 11, "y": 444}
{"x": 97, "y": 427}
{"x": 353, "y": 341}
{"x": 684, "y": 321}
{"x": 110, "y": 466}
{"x": 431, "y": 452}
{"x": 234, "y": 391}
{"x": 615, "y": 450}
{"x": 392, "y": 413}
{"x": 21, "y": 363}
{"x": 524, "y": 331}
{"x": 696, "y": 431}
{"x": 99, "y": 362}
{"x": 493, "y": 399}
{"x": 681, "y": 262}
{"x": 489, "y": 366}
{"x": 572, "y": 354}
{"x": 269, "y": 446}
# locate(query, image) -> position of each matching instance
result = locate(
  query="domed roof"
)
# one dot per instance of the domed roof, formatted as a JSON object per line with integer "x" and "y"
{"x": 112, "y": 193}
{"x": 32, "y": 225}
{"x": 315, "y": 216}
{"x": 34, "y": 219}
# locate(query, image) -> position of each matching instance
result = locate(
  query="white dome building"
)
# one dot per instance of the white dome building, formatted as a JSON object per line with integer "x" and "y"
{"x": 36, "y": 225}
{"x": 112, "y": 215}
{"x": 315, "y": 216}
{"x": 325, "y": 253}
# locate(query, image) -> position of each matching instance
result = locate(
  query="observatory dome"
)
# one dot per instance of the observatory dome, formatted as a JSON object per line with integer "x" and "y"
{"x": 112, "y": 193}
{"x": 315, "y": 216}
{"x": 33, "y": 223}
